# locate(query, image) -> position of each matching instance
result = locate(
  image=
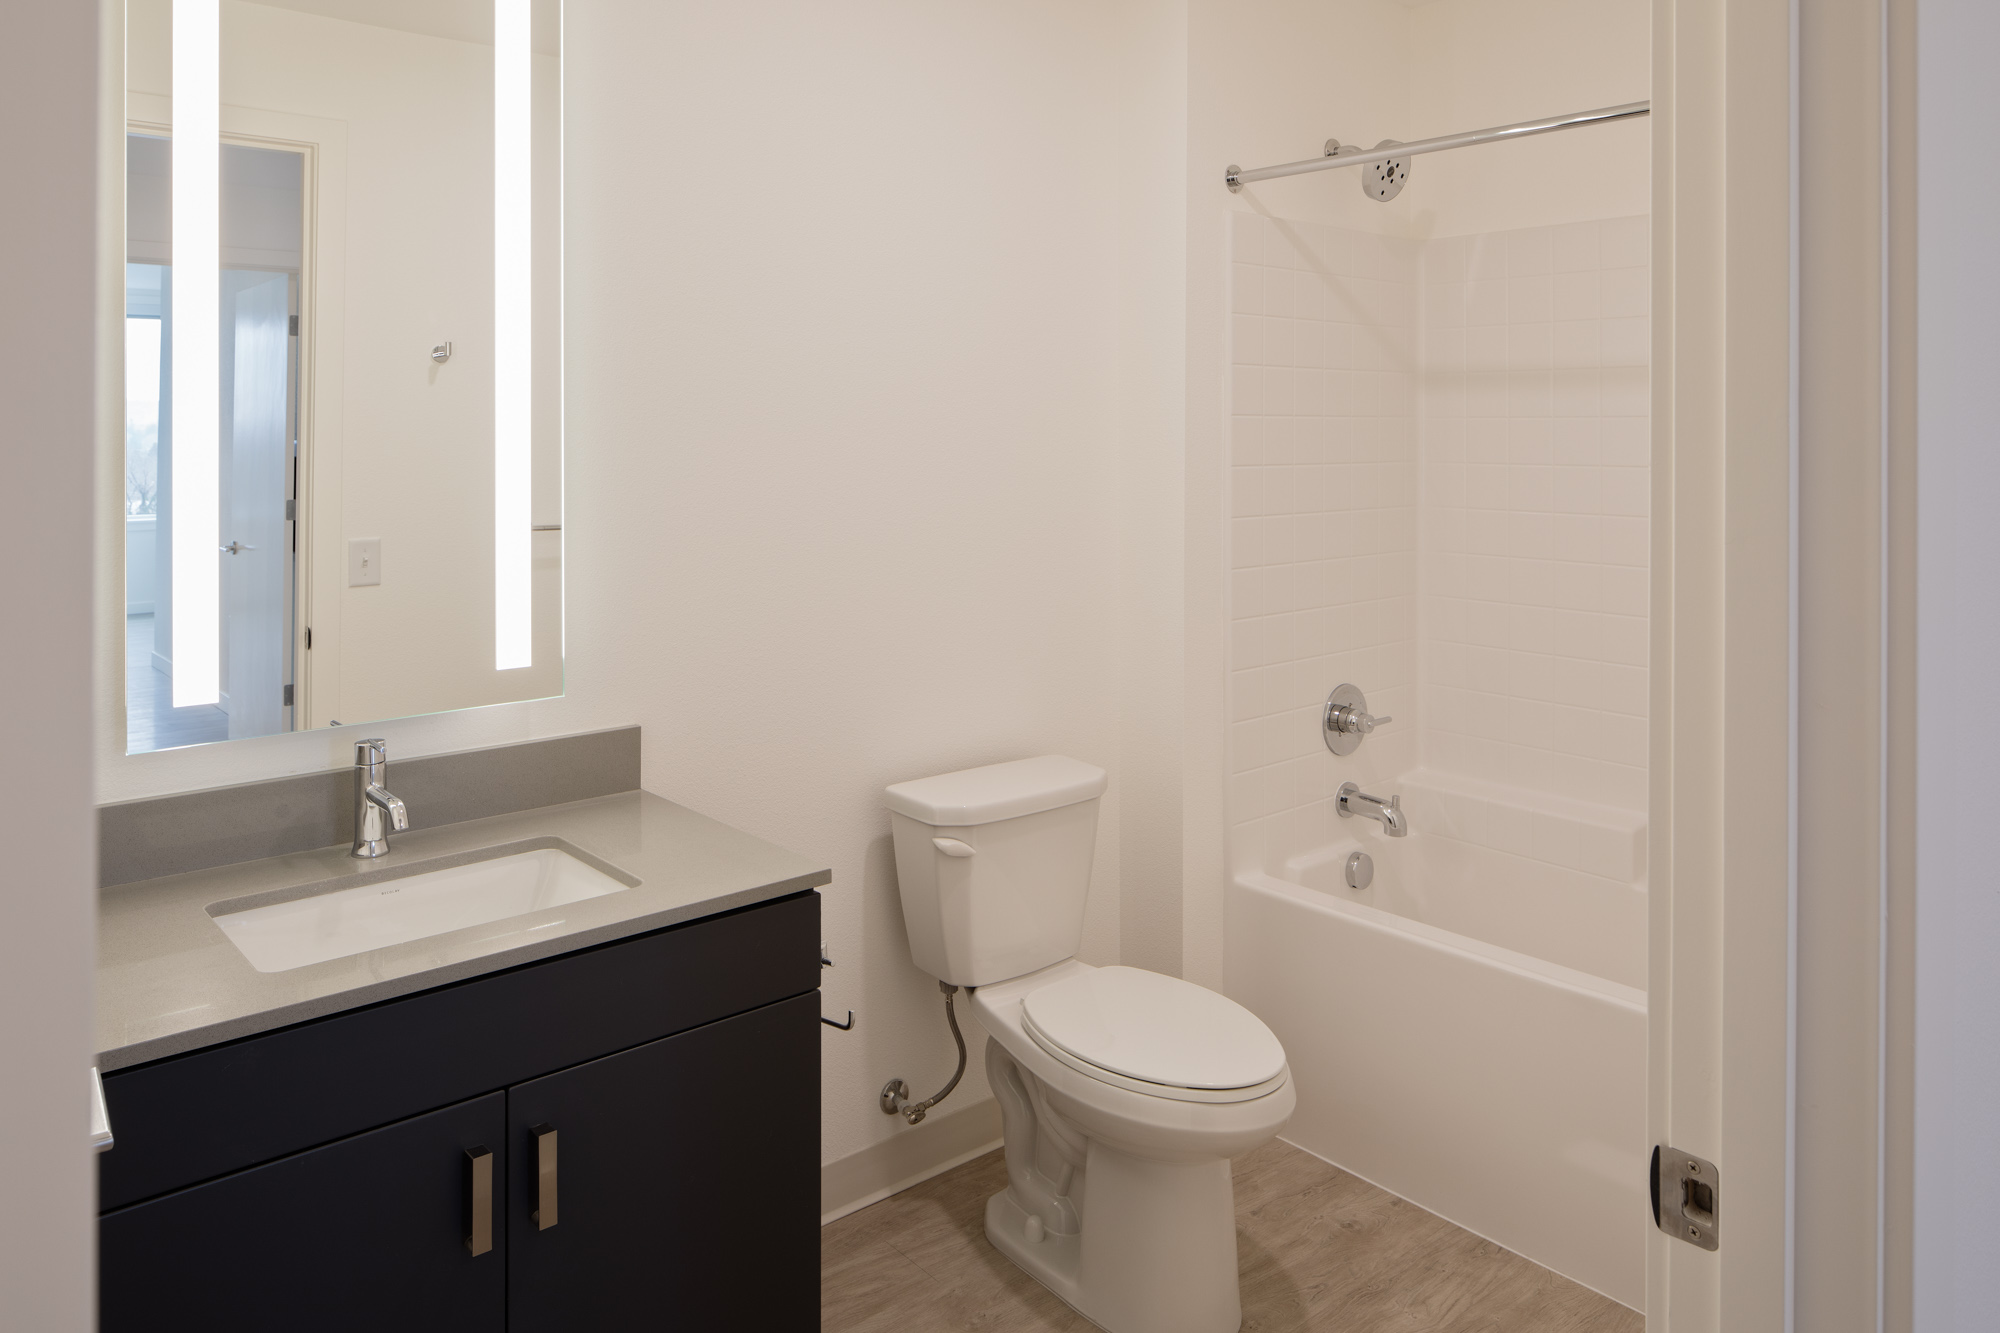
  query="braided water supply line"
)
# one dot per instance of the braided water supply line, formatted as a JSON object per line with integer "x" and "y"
{"x": 895, "y": 1098}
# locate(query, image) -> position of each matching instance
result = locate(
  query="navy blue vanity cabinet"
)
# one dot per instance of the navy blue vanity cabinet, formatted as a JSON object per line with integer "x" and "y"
{"x": 666, "y": 1166}
{"x": 367, "y": 1233}
{"x": 388, "y": 1168}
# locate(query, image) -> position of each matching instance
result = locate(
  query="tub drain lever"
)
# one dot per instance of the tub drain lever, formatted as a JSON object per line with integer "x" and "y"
{"x": 895, "y": 1098}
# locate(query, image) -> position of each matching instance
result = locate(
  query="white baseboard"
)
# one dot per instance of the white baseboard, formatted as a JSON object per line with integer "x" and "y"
{"x": 163, "y": 665}
{"x": 908, "y": 1158}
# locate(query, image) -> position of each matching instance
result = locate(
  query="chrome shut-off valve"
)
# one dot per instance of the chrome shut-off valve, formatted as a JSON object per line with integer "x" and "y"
{"x": 1348, "y": 721}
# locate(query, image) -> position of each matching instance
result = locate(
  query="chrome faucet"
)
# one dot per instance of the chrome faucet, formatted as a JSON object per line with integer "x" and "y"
{"x": 377, "y": 810}
{"x": 1352, "y": 801}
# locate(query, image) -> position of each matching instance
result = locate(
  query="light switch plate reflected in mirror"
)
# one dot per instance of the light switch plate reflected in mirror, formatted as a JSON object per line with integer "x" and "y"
{"x": 364, "y": 562}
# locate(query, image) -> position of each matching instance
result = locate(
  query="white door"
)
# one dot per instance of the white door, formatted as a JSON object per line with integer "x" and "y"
{"x": 256, "y": 557}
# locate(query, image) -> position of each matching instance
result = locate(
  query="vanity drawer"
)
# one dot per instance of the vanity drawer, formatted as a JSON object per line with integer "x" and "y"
{"x": 197, "y": 1116}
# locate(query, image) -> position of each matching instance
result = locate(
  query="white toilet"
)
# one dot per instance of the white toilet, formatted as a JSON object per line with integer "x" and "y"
{"x": 1123, "y": 1093}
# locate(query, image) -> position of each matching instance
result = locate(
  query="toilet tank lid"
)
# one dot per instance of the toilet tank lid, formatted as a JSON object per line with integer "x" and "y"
{"x": 997, "y": 791}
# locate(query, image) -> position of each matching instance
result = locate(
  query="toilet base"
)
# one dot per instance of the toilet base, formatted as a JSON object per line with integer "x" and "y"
{"x": 1157, "y": 1249}
{"x": 1051, "y": 1261}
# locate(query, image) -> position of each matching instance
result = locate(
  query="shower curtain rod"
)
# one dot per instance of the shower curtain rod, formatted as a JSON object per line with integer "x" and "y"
{"x": 1236, "y": 178}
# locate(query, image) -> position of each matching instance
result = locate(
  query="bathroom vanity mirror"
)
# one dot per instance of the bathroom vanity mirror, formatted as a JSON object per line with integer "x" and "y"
{"x": 342, "y": 496}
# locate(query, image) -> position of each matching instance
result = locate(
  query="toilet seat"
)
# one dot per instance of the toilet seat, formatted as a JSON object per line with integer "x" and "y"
{"x": 1155, "y": 1034}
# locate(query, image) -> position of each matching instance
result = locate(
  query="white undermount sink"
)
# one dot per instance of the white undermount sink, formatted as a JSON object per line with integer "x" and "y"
{"x": 392, "y": 908}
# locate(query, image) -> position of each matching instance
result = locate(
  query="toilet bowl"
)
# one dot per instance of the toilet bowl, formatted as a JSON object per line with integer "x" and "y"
{"x": 1123, "y": 1093}
{"x": 1118, "y": 1198}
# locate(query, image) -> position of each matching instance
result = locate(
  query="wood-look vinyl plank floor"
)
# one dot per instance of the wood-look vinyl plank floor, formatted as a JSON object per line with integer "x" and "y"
{"x": 1319, "y": 1250}
{"x": 151, "y": 720}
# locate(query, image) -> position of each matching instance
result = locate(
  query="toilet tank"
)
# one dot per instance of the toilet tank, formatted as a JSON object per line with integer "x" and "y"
{"x": 994, "y": 865}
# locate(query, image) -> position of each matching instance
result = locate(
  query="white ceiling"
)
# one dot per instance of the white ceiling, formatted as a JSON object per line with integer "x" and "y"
{"x": 459, "y": 20}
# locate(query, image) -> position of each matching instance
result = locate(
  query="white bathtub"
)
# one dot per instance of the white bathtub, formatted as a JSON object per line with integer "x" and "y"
{"x": 1469, "y": 1032}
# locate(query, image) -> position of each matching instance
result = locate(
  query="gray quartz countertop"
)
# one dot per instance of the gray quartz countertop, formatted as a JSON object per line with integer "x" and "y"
{"x": 169, "y": 980}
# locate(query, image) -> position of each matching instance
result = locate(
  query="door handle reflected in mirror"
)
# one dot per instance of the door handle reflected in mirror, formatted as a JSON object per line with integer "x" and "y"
{"x": 236, "y": 547}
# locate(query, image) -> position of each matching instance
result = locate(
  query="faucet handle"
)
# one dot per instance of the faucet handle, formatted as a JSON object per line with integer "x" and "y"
{"x": 1347, "y": 719}
{"x": 372, "y": 751}
{"x": 1350, "y": 720}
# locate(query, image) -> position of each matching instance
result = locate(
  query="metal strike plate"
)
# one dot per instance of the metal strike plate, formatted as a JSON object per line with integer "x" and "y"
{"x": 1686, "y": 1190}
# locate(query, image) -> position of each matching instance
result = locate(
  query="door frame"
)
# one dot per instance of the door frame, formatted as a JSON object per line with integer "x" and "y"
{"x": 1723, "y": 655}
{"x": 1783, "y": 704}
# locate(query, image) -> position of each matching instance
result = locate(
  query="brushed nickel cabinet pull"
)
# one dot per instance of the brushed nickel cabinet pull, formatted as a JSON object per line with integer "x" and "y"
{"x": 479, "y": 1199}
{"x": 545, "y": 1176}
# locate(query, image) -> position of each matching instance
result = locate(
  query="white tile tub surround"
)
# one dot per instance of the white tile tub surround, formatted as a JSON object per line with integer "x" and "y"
{"x": 1533, "y": 525}
{"x": 1324, "y": 480}
{"x": 1440, "y": 467}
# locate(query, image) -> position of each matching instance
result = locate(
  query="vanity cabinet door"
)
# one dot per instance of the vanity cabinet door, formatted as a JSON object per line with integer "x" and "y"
{"x": 367, "y": 1233}
{"x": 685, "y": 1182}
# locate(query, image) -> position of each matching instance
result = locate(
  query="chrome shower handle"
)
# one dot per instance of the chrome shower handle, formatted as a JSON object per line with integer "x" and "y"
{"x": 1347, "y": 719}
{"x": 1352, "y": 721}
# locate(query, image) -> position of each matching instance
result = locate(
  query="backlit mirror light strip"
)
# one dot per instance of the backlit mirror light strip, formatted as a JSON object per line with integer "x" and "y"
{"x": 513, "y": 329}
{"x": 197, "y": 258}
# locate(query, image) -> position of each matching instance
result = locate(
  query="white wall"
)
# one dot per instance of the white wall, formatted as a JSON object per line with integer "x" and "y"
{"x": 1480, "y": 63}
{"x": 1957, "y": 1132}
{"x": 1151, "y": 191}
{"x": 844, "y": 378}
{"x": 49, "y": 113}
